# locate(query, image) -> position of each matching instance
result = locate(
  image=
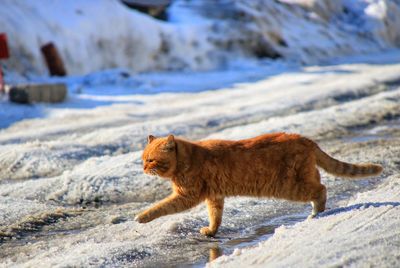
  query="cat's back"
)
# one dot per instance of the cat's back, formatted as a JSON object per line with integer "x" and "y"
{"x": 242, "y": 167}
{"x": 271, "y": 140}
{"x": 279, "y": 139}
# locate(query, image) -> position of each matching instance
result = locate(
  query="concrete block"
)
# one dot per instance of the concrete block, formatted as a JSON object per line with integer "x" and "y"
{"x": 31, "y": 93}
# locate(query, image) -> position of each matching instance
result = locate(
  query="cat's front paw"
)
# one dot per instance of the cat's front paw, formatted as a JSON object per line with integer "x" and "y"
{"x": 207, "y": 231}
{"x": 142, "y": 218}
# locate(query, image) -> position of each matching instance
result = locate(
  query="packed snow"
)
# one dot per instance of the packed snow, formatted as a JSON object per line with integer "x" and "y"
{"x": 71, "y": 179}
{"x": 90, "y": 158}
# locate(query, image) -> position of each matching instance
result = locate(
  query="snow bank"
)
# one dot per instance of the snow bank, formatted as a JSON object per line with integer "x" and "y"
{"x": 97, "y": 35}
{"x": 369, "y": 235}
{"x": 201, "y": 34}
{"x": 310, "y": 31}
{"x": 387, "y": 192}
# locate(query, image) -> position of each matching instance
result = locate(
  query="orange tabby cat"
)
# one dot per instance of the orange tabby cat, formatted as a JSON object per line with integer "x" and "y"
{"x": 273, "y": 165}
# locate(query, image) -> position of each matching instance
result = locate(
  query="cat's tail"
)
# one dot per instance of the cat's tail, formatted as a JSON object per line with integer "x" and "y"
{"x": 339, "y": 168}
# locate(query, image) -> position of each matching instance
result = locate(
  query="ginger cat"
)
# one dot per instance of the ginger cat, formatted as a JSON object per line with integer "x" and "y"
{"x": 276, "y": 165}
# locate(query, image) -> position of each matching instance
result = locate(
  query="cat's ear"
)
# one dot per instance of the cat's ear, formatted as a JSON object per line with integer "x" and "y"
{"x": 171, "y": 138}
{"x": 170, "y": 145}
{"x": 150, "y": 138}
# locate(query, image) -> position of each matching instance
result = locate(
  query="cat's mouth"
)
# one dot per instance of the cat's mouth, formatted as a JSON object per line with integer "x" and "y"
{"x": 152, "y": 172}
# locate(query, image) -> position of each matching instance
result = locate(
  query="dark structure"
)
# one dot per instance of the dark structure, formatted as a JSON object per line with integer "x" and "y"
{"x": 4, "y": 54}
{"x": 53, "y": 60}
{"x": 32, "y": 93}
{"x": 154, "y": 8}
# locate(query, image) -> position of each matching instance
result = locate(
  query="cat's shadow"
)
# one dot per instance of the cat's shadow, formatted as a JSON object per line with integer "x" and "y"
{"x": 335, "y": 211}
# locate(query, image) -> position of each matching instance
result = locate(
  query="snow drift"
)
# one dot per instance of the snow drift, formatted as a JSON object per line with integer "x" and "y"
{"x": 95, "y": 35}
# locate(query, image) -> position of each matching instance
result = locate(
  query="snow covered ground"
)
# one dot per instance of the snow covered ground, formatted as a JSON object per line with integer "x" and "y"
{"x": 71, "y": 179}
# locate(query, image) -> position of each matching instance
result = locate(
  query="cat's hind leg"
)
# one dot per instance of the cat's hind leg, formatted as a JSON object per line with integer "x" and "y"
{"x": 215, "y": 208}
{"x": 318, "y": 196}
{"x": 318, "y": 205}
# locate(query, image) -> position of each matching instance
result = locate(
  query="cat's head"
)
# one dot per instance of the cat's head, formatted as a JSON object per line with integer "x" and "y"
{"x": 159, "y": 156}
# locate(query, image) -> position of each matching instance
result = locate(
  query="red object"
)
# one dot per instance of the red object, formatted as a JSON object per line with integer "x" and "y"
{"x": 53, "y": 59}
{"x": 4, "y": 53}
{"x": 1, "y": 81}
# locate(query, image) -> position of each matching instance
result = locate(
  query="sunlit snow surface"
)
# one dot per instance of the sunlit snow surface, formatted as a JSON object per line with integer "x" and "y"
{"x": 71, "y": 180}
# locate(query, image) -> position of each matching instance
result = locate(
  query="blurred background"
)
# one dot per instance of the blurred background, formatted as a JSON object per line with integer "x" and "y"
{"x": 182, "y": 35}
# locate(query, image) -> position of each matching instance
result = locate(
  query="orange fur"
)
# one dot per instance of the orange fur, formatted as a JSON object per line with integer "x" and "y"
{"x": 275, "y": 165}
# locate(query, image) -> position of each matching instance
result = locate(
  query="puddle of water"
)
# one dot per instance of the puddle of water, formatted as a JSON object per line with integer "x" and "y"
{"x": 251, "y": 239}
{"x": 263, "y": 232}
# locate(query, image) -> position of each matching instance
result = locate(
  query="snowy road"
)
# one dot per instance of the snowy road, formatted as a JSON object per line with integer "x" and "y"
{"x": 71, "y": 180}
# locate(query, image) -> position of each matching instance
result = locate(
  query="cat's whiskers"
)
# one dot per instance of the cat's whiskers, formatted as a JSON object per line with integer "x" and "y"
{"x": 153, "y": 172}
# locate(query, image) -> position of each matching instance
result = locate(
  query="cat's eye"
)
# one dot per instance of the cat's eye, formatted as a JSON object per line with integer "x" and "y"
{"x": 149, "y": 160}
